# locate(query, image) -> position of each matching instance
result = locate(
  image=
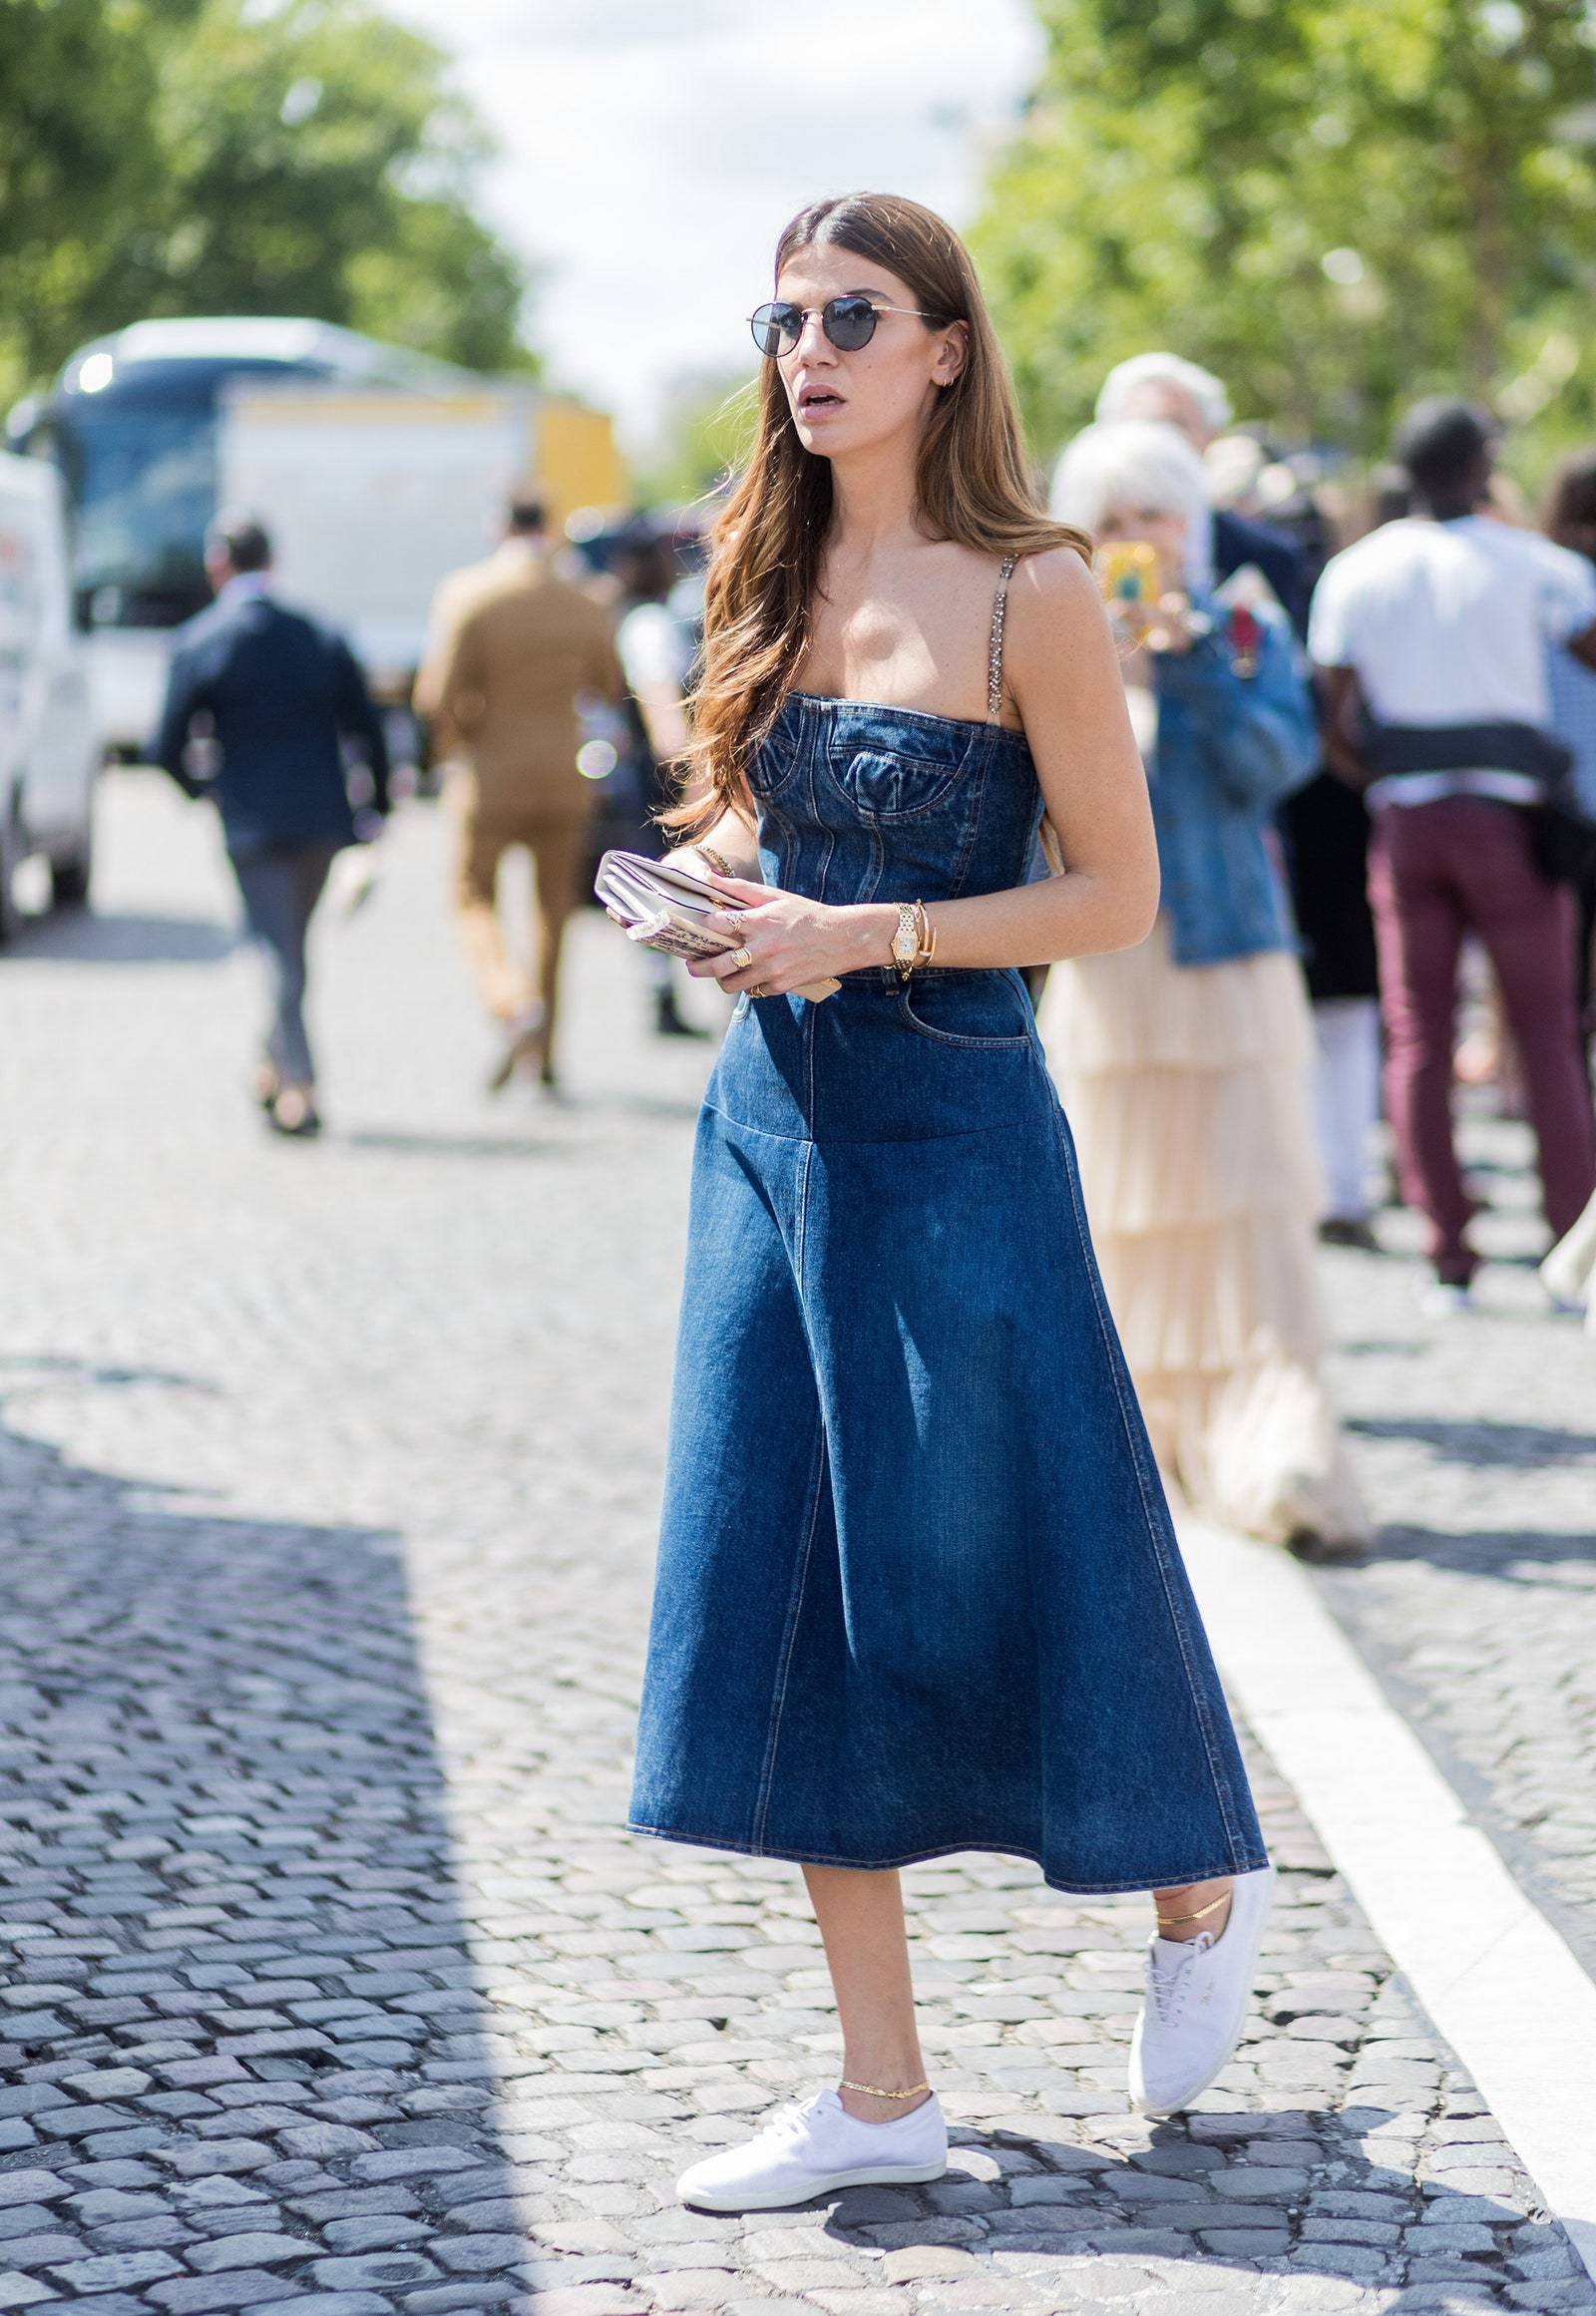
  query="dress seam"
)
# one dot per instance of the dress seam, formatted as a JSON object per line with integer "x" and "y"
{"x": 795, "y": 1606}
{"x": 978, "y": 782}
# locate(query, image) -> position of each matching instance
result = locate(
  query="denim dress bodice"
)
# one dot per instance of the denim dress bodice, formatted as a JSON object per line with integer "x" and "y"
{"x": 859, "y": 802}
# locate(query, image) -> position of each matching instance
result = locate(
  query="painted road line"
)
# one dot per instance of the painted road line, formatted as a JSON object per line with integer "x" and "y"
{"x": 1500, "y": 1982}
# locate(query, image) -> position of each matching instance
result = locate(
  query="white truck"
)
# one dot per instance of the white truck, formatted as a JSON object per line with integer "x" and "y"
{"x": 375, "y": 470}
{"x": 49, "y": 752}
{"x": 372, "y": 497}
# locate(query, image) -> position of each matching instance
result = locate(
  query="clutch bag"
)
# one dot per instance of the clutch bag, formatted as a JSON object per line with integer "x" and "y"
{"x": 668, "y": 908}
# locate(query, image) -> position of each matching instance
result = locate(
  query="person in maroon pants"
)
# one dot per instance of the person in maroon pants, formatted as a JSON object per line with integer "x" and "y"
{"x": 1430, "y": 638}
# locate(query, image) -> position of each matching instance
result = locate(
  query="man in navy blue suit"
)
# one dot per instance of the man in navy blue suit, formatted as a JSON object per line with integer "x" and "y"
{"x": 275, "y": 696}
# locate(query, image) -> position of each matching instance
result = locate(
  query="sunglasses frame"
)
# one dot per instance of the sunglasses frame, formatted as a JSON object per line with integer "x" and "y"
{"x": 824, "y": 314}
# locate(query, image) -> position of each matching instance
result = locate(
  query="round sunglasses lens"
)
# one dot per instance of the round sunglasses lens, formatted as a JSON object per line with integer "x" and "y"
{"x": 775, "y": 330}
{"x": 850, "y": 323}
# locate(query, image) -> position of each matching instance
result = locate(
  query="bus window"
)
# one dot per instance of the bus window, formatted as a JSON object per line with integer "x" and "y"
{"x": 144, "y": 484}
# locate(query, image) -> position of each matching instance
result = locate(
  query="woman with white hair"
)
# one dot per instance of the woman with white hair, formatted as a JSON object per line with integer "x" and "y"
{"x": 1184, "y": 1063}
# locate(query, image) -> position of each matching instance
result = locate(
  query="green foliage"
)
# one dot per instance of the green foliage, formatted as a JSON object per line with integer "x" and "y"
{"x": 167, "y": 157}
{"x": 707, "y": 432}
{"x": 1336, "y": 205}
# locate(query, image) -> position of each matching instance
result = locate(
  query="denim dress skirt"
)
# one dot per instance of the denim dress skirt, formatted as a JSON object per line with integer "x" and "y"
{"x": 917, "y": 1588}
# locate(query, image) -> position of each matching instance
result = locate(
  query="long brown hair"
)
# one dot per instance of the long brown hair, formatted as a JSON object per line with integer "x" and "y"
{"x": 973, "y": 485}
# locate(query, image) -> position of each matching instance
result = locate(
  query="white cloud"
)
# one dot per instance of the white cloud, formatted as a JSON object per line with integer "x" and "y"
{"x": 651, "y": 159}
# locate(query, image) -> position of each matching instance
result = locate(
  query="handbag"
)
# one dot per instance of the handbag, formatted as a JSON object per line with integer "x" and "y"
{"x": 663, "y": 907}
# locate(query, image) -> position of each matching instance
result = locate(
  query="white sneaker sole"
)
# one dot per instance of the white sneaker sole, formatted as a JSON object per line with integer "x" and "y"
{"x": 1260, "y": 1889}
{"x": 869, "y": 2175}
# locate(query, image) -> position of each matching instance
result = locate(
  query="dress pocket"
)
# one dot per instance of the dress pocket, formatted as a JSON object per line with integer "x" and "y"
{"x": 900, "y": 782}
{"x": 979, "y": 1010}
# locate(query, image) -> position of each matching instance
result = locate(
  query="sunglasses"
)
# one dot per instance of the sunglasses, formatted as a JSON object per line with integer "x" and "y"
{"x": 849, "y": 322}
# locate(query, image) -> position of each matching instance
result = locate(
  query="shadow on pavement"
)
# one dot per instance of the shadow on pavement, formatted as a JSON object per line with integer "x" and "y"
{"x": 102, "y": 1377}
{"x": 77, "y": 937}
{"x": 1486, "y": 1445}
{"x": 1505, "y": 1555}
{"x": 242, "y": 2042}
{"x": 1217, "y": 2189}
{"x": 396, "y": 1140}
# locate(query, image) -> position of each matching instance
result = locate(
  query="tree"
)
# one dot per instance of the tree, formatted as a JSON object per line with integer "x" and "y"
{"x": 1336, "y": 205}
{"x": 227, "y": 157}
{"x": 706, "y": 430}
{"x": 79, "y": 83}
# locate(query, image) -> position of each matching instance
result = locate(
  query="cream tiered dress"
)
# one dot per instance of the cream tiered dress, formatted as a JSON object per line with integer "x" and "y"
{"x": 1187, "y": 1087}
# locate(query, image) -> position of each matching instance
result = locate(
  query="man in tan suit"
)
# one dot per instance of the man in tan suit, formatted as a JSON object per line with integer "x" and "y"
{"x": 511, "y": 646}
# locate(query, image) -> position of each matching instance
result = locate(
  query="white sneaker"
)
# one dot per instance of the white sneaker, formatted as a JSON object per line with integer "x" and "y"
{"x": 811, "y": 2148}
{"x": 1198, "y": 1990}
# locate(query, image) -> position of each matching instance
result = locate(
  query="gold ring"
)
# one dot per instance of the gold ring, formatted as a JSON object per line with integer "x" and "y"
{"x": 742, "y": 958}
{"x": 758, "y": 989}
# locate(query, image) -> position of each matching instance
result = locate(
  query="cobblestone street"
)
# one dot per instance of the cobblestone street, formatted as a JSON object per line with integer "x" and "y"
{"x": 327, "y": 1483}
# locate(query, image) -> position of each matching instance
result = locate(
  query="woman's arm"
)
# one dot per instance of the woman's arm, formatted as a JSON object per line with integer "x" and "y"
{"x": 1064, "y": 672}
{"x": 1341, "y": 721}
{"x": 1257, "y": 732}
{"x": 731, "y": 840}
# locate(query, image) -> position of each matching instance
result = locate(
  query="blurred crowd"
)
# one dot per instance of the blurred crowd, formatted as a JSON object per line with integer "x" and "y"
{"x": 1367, "y": 730}
{"x": 1368, "y": 725}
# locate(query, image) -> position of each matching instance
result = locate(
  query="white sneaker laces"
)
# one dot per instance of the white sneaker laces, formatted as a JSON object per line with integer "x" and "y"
{"x": 1169, "y": 1977}
{"x": 790, "y": 2122}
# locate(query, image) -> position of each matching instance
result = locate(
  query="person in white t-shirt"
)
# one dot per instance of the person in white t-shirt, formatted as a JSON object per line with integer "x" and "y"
{"x": 1430, "y": 638}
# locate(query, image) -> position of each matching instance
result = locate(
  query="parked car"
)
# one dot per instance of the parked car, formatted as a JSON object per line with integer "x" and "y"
{"x": 48, "y": 754}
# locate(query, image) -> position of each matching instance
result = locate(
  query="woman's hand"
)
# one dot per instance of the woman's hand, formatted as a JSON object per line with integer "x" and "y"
{"x": 1169, "y": 625}
{"x": 790, "y": 940}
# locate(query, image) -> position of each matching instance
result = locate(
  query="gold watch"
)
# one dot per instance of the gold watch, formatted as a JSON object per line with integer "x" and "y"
{"x": 915, "y": 942}
{"x": 906, "y": 941}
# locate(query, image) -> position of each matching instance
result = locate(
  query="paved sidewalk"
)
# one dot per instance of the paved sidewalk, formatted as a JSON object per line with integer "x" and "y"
{"x": 328, "y": 1479}
{"x": 1477, "y": 1437}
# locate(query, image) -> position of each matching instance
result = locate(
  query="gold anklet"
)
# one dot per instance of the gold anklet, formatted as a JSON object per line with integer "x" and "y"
{"x": 1170, "y": 1921}
{"x": 871, "y": 2091}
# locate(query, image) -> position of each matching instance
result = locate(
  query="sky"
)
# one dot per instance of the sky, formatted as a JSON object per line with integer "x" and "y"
{"x": 651, "y": 150}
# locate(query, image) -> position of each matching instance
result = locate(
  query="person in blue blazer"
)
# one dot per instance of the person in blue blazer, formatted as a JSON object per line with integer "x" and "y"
{"x": 275, "y": 696}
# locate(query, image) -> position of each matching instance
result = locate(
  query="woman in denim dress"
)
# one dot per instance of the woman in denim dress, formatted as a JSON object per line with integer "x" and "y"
{"x": 918, "y": 1589}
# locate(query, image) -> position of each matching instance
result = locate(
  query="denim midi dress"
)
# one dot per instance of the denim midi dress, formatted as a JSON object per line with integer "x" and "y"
{"x": 917, "y": 1588}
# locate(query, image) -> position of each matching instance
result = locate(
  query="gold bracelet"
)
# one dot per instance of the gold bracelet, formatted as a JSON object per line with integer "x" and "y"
{"x": 870, "y": 2091}
{"x": 928, "y": 936}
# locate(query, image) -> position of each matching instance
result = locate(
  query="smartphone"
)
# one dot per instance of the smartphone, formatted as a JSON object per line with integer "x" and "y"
{"x": 1127, "y": 570}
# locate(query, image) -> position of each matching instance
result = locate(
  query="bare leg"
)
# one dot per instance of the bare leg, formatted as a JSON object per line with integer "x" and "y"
{"x": 1177, "y": 1908}
{"x": 860, "y": 1917}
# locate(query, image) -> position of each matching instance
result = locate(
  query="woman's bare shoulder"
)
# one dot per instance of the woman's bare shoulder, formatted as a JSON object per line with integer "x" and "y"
{"x": 1052, "y": 596}
{"x": 1057, "y": 577}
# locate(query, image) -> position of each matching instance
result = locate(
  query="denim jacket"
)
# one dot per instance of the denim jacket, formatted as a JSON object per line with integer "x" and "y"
{"x": 1229, "y": 748}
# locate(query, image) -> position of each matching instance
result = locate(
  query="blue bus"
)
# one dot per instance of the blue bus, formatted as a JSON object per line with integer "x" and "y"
{"x": 132, "y": 424}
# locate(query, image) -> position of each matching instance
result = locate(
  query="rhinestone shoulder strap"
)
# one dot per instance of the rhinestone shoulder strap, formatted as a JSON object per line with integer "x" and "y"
{"x": 994, "y": 653}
